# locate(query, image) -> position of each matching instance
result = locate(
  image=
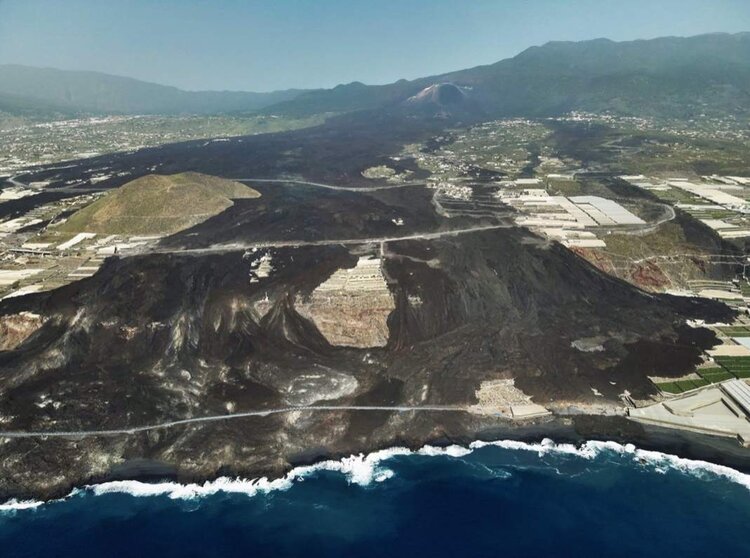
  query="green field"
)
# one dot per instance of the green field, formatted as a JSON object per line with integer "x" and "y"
{"x": 714, "y": 375}
{"x": 735, "y": 331}
{"x": 682, "y": 385}
{"x": 675, "y": 195}
{"x": 711, "y": 214}
{"x": 739, "y": 367}
{"x": 730, "y": 367}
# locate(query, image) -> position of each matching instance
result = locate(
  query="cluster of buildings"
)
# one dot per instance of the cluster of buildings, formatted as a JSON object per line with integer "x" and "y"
{"x": 719, "y": 202}
{"x": 720, "y": 409}
{"x": 715, "y": 399}
{"x": 572, "y": 220}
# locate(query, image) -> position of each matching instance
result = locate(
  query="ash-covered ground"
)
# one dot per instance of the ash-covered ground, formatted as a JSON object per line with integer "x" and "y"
{"x": 203, "y": 327}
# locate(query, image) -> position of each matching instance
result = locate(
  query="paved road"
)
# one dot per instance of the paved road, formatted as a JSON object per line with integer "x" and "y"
{"x": 12, "y": 180}
{"x": 668, "y": 214}
{"x": 330, "y": 186}
{"x": 215, "y": 418}
{"x": 67, "y": 189}
{"x": 236, "y": 247}
{"x": 728, "y": 259}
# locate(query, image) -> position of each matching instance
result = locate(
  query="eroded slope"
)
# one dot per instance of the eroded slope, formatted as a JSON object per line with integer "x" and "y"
{"x": 160, "y": 337}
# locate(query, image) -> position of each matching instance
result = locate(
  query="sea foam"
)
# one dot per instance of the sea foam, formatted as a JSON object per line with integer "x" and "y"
{"x": 364, "y": 469}
{"x": 15, "y": 505}
{"x": 660, "y": 462}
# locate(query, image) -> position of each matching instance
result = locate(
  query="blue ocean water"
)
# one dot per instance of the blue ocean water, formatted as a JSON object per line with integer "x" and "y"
{"x": 507, "y": 499}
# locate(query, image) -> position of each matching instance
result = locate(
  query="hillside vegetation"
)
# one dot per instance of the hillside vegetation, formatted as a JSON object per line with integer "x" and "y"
{"x": 669, "y": 77}
{"x": 158, "y": 205}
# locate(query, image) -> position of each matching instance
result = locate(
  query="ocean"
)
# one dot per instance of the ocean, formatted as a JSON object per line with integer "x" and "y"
{"x": 499, "y": 499}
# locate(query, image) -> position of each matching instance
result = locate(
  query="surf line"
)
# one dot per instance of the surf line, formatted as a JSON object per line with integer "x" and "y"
{"x": 364, "y": 469}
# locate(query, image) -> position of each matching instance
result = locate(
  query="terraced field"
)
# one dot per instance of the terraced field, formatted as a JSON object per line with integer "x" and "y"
{"x": 728, "y": 369}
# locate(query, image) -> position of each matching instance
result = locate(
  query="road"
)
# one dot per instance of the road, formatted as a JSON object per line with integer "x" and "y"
{"x": 77, "y": 189}
{"x": 719, "y": 259}
{"x": 12, "y": 180}
{"x": 330, "y": 186}
{"x": 668, "y": 214}
{"x": 67, "y": 189}
{"x": 215, "y": 418}
{"x": 236, "y": 247}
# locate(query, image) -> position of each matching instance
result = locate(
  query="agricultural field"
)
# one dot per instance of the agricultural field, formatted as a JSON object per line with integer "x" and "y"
{"x": 715, "y": 374}
{"x": 630, "y": 145}
{"x": 735, "y": 331}
{"x": 728, "y": 368}
{"x": 681, "y": 386}
{"x": 739, "y": 367}
{"x": 501, "y": 148}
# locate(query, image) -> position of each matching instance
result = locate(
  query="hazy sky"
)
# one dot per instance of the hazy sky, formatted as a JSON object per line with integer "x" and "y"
{"x": 264, "y": 45}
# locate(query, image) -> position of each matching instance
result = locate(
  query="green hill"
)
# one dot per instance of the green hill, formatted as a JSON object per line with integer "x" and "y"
{"x": 158, "y": 205}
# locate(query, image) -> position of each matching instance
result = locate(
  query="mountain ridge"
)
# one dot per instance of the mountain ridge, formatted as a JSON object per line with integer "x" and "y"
{"x": 671, "y": 76}
{"x": 98, "y": 92}
{"x": 665, "y": 76}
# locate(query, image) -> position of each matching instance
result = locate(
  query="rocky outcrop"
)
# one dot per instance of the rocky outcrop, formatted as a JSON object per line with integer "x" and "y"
{"x": 16, "y": 328}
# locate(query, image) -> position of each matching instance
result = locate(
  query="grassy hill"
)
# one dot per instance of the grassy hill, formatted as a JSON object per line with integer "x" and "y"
{"x": 158, "y": 205}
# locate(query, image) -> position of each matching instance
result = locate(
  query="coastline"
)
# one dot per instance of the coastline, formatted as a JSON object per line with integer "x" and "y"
{"x": 570, "y": 432}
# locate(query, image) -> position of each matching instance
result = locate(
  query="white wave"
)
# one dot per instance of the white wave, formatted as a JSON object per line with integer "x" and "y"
{"x": 542, "y": 448}
{"x": 16, "y": 505}
{"x": 452, "y": 451}
{"x": 190, "y": 491}
{"x": 358, "y": 469}
{"x": 660, "y": 462}
{"x": 695, "y": 468}
{"x": 364, "y": 469}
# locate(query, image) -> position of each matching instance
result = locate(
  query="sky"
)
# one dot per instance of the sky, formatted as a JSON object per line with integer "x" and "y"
{"x": 277, "y": 44}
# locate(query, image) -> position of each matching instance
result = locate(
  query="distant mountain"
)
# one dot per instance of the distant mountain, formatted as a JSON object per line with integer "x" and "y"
{"x": 443, "y": 100}
{"x": 31, "y": 108}
{"x": 95, "y": 92}
{"x": 669, "y": 76}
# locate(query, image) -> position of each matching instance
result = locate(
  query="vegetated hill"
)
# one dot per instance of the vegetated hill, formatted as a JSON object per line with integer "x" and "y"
{"x": 103, "y": 93}
{"x": 669, "y": 76}
{"x": 158, "y": 205}
{"x": 21, "y": 106}
{"x": 17, "y": 111}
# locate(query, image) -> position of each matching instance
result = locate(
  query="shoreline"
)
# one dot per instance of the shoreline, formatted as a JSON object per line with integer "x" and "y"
{"x": 574, "y": 431}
